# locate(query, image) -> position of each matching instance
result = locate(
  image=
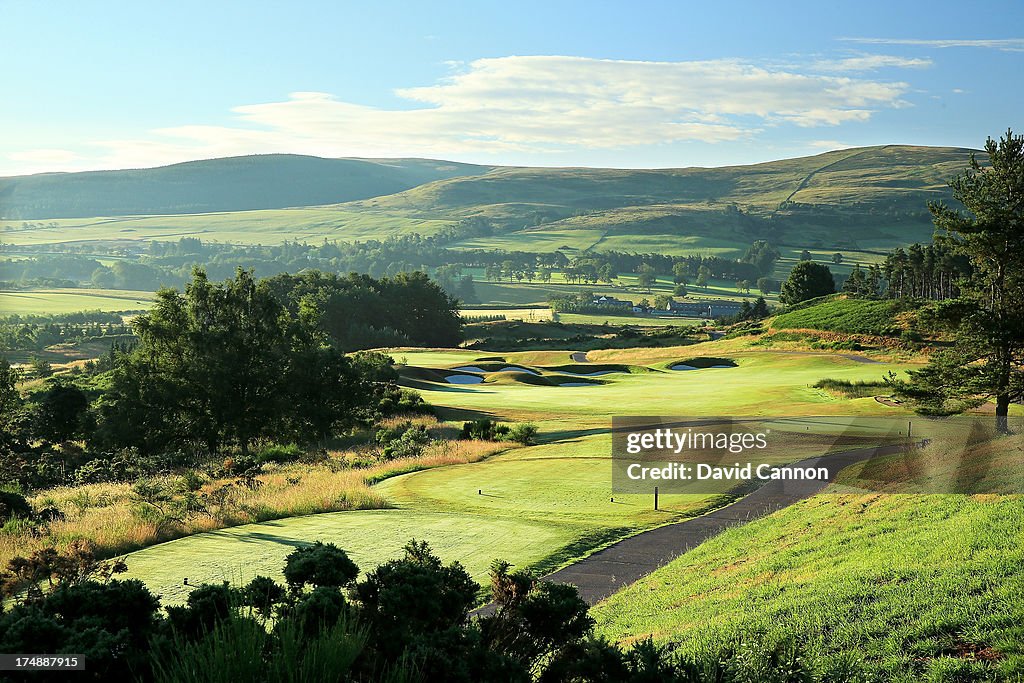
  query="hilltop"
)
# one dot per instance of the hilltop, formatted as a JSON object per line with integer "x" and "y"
{"x": 270, "y": 181}
{"x": 862, "y": 199}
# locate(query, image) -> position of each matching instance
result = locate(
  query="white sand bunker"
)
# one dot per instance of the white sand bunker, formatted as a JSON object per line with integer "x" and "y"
{"x": 722, "y": 366}
{"x": 469, "y": 368}
{"x": 516, "y": 368}
{"x": 463, "y": 379}
{"x": 682, "y": 366}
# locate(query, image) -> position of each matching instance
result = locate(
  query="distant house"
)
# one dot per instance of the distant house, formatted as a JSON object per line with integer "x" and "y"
{"x": 704, "y": 308}
{"x": 611, "y": 302}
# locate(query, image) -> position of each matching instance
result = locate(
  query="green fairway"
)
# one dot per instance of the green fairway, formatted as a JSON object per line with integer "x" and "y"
{"x": 764, "y": 383}
{"x": 909, "y": 585}
{"x": 368, "y": 536}
{"x": 50, "y": 301}
{"x": 542, "y": 506}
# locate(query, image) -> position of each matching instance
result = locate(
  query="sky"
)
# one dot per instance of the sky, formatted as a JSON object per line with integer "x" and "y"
{"x": 103, "y": 85}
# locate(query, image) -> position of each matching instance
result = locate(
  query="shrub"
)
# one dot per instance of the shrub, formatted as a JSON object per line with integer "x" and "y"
{"x": 403, "y": 441}
{"x": 13, "y": 505}
{"x": 319, "y": 565}
{"x": 524, "y": 433}
{"x": 279, "y": 454}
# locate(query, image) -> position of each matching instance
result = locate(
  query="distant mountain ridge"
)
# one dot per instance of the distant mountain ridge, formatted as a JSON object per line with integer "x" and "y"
{"x": 269, "y": 181}
{"x": 871, "y": 198}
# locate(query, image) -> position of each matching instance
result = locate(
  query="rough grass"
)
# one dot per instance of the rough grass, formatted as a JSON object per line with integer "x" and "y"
{"x": 107, "y": 514}
{"x": 848, "y": 389}
{"x": 913, "y": 587}
{"x": 854, "y": 316}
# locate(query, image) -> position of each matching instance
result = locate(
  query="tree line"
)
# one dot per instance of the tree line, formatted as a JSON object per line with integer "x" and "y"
{"x": 223, "y": 366}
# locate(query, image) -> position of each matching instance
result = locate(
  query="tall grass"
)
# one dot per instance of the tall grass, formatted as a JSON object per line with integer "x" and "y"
{"x": 855, "y": 389}
{"x": 116, "y": 521}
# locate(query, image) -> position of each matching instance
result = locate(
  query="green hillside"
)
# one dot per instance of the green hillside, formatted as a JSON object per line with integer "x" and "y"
{"x": 853, "y": 316}
{"x": 871, "y": 198}
{"x": 269, "y": 181}
{"x": 905, "y": 588}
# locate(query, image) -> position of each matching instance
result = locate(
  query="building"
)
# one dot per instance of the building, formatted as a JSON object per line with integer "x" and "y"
{"x": 704, "y": 308}
{"x": 611, "y": 302}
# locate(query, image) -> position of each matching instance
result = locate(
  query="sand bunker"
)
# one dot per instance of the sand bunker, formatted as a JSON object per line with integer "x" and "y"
{"x": 469, "y": 368}
{"x": 596, "y": 373}
{"x": 463, "y": 379}
{"x": 516, "y": 368}
{"x": 683, "y": 367}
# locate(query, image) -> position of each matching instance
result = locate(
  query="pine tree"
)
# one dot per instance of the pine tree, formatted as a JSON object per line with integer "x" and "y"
{"x": 987, "y": 360}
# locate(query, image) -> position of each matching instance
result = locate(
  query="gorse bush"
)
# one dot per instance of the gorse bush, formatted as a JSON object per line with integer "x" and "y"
{"x": 488, "y": 430}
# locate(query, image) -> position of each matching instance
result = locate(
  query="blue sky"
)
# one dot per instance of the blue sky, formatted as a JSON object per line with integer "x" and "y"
{"x": 90, "y": 85}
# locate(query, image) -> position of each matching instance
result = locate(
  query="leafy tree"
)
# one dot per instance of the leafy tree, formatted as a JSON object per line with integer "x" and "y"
{"x": 805, "y": 255}
{"x": 766, "y": 285}
{"x": 837, "y": 258}
{"x": 61, "y": 415}
{"x": 662, "y": 301}
{"x": 762, "y": 256}
{"x": 760, "y": 309}
{"x": 319, "y": 565}
{"x": 225, "y": 364}
{"x": 680, "y": 290}
{"x": 807, "y": 280}
{"x": 680, "y": 273}
{"x": 703, "y": 276}
{"x": 646, "y": 277}
{"x": 987, "y": 360}
{"x": 10, "y": 398}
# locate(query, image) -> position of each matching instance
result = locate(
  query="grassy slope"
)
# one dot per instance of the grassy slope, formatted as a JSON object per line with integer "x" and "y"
{"x": 914, "y": 585}
{"x": 877, "y": 194}
{"x": 49, "y": 301}
{"x": 867, "y": 198}
{"x": 230, "y": 184}
{"x": 838, "y": 314}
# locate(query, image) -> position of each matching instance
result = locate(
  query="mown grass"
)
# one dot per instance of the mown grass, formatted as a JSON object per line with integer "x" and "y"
{"x": 52, "y": 301}
{"x": 914, "y": 587}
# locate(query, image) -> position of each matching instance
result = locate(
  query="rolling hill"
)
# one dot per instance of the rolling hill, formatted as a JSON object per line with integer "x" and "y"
{"x": 862, "y": 199}
{"x": 271, "y": 181}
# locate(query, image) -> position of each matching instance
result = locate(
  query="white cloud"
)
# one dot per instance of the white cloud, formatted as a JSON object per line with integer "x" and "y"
{"x": 491, "y": 107}
{"x": 1005, "y": 44}
{"x": 871, "y": 63}
{"x": 829, "y": 145}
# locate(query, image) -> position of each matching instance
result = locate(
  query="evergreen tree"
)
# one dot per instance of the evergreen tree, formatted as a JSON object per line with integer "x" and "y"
{"x": 807, "y": 280}
{"x": 987, "y": 360}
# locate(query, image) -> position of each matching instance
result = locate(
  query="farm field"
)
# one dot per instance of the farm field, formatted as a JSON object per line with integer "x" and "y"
{"x": 269, "y": 226}
{"x": 642, "y": 320}
{"x": 529, "y": 314}
{"x": 51, "y": 301}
